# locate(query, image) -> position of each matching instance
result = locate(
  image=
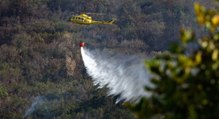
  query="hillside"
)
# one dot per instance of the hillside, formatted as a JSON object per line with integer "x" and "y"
{"x": 41, "y": 72}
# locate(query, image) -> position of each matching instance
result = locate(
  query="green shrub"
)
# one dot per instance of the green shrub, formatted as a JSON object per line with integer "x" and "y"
{"x": 186, "y": 82}
{"x": 3, "y": 92}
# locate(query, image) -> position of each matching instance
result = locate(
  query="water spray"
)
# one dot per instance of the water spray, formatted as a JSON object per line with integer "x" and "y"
{"x": 125, "y": 76}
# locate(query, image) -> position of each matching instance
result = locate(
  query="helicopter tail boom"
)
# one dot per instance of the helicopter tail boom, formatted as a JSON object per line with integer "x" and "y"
{"x": 109, "y": 22}
{"x": 104, "y": 22}
{"x": 112, "y": 21}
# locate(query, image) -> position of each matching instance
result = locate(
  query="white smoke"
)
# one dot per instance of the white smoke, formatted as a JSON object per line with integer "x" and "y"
{"x": 38, "y": 101}
{"x": 43, "y": 106}
{"x": 125, "y": 76}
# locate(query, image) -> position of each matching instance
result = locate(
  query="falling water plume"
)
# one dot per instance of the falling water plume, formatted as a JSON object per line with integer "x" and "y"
{"x": 125, "y": 76}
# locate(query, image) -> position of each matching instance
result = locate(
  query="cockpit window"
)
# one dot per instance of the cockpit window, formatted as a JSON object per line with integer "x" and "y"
{"x": 78, "y": 18}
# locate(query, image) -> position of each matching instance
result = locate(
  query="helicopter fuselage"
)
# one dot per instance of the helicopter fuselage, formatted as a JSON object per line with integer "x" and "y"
{"x": 87, "y": 20}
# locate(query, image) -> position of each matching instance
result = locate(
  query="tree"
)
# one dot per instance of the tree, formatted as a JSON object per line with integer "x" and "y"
{"x": 186, "y": 82}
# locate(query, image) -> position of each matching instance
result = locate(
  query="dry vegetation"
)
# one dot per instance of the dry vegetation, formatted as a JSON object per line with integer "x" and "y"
{"x": 39, "y": 56}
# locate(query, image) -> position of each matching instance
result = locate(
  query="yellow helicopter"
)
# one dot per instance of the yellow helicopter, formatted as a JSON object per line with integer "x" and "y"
{"x": 87, "y": 20}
